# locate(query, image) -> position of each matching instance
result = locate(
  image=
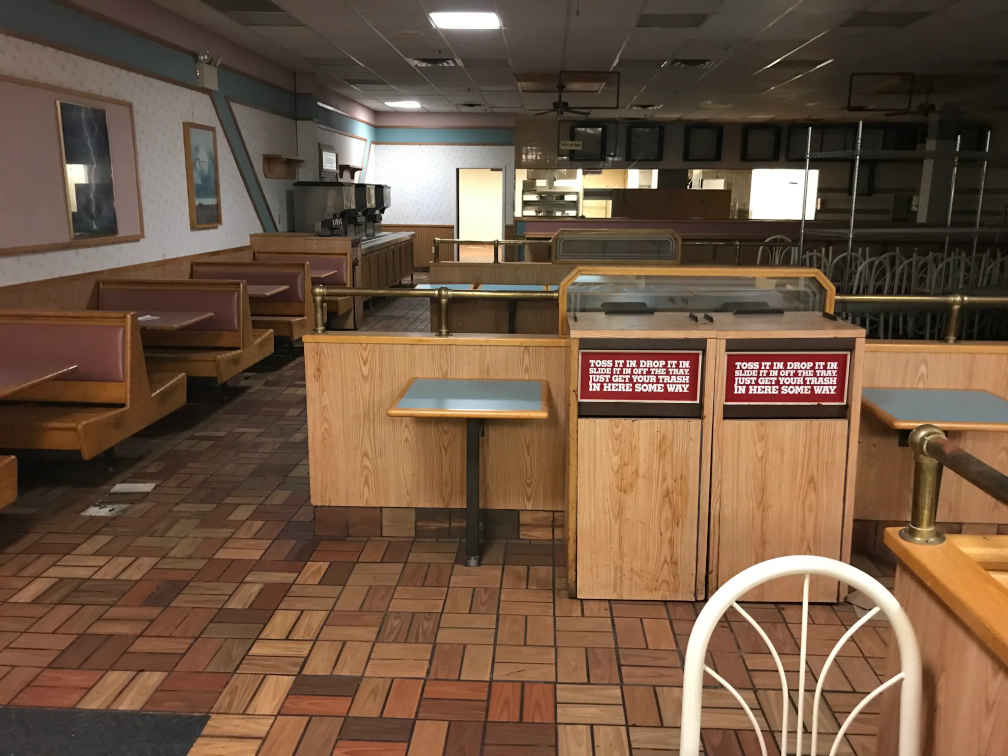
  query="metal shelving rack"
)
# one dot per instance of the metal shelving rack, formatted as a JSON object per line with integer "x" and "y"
{"x": 554, "y": 203}
{"x": 957, "y": 156}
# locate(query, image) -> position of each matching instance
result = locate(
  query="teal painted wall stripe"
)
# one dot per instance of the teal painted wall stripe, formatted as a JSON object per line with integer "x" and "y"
{"x": 238, "y": 87}
{"x": 56, "y": 24}
{"x": 344, "y": 123}
{"x": 385, "y": 134}
{"x": 243, "y": 161}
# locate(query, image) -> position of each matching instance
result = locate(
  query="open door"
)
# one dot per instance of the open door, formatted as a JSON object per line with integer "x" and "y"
{"x": 480, "y": 211}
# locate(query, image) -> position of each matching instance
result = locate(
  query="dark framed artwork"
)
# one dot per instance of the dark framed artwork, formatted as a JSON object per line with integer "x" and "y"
{"x": 645, "y": 141}
{"x": 202, "y": 175}
{"x": 702, "y": 142}
{"x": 593, "y": 142}
{"x": 87, "y": 170}
{"x": 760, "y": 143}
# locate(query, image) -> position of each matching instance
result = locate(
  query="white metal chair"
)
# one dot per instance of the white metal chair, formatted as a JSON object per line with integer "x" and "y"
{"x": 727, "y": 596}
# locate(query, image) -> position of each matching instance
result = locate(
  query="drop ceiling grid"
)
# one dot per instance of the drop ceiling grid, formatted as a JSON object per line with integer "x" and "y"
{"x": 739, "y": 36}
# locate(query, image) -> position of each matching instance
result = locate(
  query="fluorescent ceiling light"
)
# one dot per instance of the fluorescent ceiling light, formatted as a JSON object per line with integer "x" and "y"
{"x": 403, "y": 104}
{"x": 465, "y": 20}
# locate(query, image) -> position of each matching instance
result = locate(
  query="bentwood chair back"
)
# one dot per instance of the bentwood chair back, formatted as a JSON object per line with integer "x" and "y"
{"x": 727, "y": 597}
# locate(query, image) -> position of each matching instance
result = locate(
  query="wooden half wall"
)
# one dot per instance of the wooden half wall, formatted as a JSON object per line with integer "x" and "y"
{"x": 360, "y": 457}
{"x": 423, "y": 242}
{"x": 79, "y": 292}
{"x": 885, "y": 469}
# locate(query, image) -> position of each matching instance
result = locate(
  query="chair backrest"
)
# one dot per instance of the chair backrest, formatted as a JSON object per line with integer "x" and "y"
{"x": 230, "y": 325}
{"x": 777, "y": 250}
{"x": 727, "y": 597}
{"x": 97, "y": 343}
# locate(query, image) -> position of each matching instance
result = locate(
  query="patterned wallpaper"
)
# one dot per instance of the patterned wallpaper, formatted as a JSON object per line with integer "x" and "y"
{"x": 423, "y": 178}
{"x": 159, "y": 109}
{"x": 269, "y": 134}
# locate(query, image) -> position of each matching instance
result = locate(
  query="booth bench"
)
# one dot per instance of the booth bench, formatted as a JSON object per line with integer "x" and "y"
{"x": 219, "y": 345}
{"x": 287, "y": 312}
{"x": 107, "y": 397}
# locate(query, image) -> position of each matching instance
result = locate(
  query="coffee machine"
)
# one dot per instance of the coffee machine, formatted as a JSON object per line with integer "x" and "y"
{"x": 327, "y": 208}
{"x": 383, "y": 201}
{"x": 365, "y": 194}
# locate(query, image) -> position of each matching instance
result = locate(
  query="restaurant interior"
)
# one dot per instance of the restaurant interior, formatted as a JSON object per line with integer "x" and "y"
{"x": 499, "y": 377}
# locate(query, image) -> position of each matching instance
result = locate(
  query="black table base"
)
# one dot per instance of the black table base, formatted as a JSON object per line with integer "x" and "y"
{"x": 474, "y": 429}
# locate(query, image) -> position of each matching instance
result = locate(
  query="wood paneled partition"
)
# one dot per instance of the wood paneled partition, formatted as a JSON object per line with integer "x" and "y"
{"x": 885, "y": 471}
{"x": 360, "y": 457}
{"x": 423, "y": 242}
{"x": 79, "y": 292}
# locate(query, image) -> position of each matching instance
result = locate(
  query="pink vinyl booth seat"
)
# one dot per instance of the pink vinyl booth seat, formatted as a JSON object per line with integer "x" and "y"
{"x": 109, "y": 396}
{"x": 289, "y": 313}
{"x": 219, "y": 347}
{"x": 338, "y": 268}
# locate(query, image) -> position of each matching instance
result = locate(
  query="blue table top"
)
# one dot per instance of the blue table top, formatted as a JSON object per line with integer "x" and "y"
{"x": 905, "y": 408}
{"x": 452, "y": 286}
{"x": 472, "y": 398}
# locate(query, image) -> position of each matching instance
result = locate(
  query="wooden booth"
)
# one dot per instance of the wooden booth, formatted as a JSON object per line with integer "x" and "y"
{"x": 662, "y": 494}
{"x": 379, "y": 263}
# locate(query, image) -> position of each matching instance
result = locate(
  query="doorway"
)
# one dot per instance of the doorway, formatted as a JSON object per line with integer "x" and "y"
{"x": 479, "y": 211}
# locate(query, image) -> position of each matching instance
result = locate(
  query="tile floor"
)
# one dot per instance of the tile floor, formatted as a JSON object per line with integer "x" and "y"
{"x": 211, "y": 594}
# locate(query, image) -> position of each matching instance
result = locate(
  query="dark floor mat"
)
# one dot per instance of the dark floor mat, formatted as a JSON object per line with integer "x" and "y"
{"x": 71, "y": 732}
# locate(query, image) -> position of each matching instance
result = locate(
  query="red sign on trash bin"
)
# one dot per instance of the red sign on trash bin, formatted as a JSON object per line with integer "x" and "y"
{"x": 639, "y": 376}
{"x": 786, "y": 377}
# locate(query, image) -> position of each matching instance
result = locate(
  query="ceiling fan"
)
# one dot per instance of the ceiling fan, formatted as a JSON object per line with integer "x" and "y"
{"x": 561, "y": 106}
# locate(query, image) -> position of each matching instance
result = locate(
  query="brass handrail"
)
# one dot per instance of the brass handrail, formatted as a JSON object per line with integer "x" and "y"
{"x": 321, "y": 295}
{"x": 497, "y": 244}
{"x": 954, "y": 303}
{"x": 931, "y": 450}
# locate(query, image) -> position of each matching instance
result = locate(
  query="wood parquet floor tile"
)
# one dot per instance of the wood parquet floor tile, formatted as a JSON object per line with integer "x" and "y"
{"x": 212, "y": 595}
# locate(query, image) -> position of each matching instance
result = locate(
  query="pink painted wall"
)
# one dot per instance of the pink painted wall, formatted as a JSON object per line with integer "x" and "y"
{"x": 31, "y": 183}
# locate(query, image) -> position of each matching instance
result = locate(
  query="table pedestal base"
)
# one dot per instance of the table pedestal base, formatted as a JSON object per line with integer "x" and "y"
{"x": 474, "y": 429}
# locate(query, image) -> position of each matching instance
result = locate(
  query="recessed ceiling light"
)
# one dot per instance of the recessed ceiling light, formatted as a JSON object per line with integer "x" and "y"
{"x": 465, "y": 20}
{"x": 403, "y": 104}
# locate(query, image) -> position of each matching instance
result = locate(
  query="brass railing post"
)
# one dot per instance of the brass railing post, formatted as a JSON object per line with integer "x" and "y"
{"x": 496, "y": 250}
{"x": 952, "y": 324}
{"x": 926, "y": 487}
{"x": 321, "y": 308}
{"x": 435, "y": 250}
{"x": 443, "y": 301}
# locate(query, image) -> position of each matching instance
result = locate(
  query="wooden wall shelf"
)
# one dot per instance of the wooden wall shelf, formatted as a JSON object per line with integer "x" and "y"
{"x": 281, "y": 166}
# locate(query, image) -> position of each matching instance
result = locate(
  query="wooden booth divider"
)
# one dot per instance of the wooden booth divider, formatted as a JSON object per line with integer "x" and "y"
{"x": 220, "y": 347}
{"x": 361, "y": 458}
{"x": 885, "y": 474}
{"x": 108, "y": 396}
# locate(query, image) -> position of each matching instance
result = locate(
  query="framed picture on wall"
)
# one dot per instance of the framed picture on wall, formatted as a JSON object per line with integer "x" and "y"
{"x": 760, "y": 143}
{"x": 87, "y": 170}
{"x": 645, "y": 141}
{"x": 202, "y": 175}
{"x": 328, "y": 163}
{"x": 702, "y": 142}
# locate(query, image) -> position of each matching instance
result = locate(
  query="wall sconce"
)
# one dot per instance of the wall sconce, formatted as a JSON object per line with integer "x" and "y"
{"x": 206, "y": 70}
